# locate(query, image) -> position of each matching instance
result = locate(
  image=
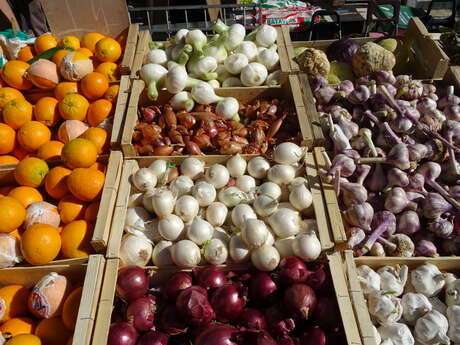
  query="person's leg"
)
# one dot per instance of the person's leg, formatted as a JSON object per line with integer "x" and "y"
{"x": 37, "y": 17}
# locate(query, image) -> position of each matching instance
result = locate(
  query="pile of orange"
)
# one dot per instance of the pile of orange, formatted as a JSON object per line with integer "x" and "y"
{"x": 20, "y": 323}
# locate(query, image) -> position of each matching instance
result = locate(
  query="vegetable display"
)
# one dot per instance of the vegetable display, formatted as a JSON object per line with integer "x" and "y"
{"x": 228, "y": 127}
{"x": 242, "y": 211}
{"x": 213, "y": 306}
{"x": 412, "y": 306}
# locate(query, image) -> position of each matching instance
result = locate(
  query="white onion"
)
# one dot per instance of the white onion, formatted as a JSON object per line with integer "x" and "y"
{"x": 192, "y": 167}
{"x": 185, "y": 254}
{"x": 258, "y": 167}
{"x": 281, "y": 174}
{"x": 254, "y": 233}
{"x": 236, "y": 165}
{"x": 309, "y": 225}
{"x": 159, "y": 167}
{"x": 186, "y": 208}
{"x": 300, "y": 197}
{"x": 288, "y": 153}
{"x": 231, "y": 196}
{"x": 246, "y": 183}
{"x": 265, "y": 205}
{"x": 135, "y": 250}
{"x": 204, "y": 193}
{"x": 299, "y": 180}
{"x": 147, "y": 200}
{"x": 135, "y": 200}
{"x": 239, "y": 251}
{"x": 144, "y": 179}
{"x": 270, "y": 189}
{"x": 217, "y": 175}
{"x": 151, "y": 231}
{"x": 265, "y": 258}
{"x": 270, "y": 241}
{"x": 181, "y": 185}
{"x": 307, "y": 246}
{"x": 284, "y": 246}
{"x": 221, "y": 234}
{"x": 171, "y": 227}
{"x": 241, "y": 213}
{"x": 287, "y": 205}
{"x": 161, "y": 255}
{"x": 135, "y": 218}
{"x": 215, "y": 252}
{"x": 216, "y": 213}
{"x": 285, "y": 222}
{"x": 200, "y": 231}
{"x": 163, "y": 202}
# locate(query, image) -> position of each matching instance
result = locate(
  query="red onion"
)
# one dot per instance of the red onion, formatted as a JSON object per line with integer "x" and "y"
{"x": 176, "y": 283}
{"x": 261, "y": 286}
{"x": 317, "y": 277}
{"x": 171, "y": 322}
{"x": 292, "y": 270}
{"x": 252, "y": 319}
{"x": 192, "y": 303}
{"x": 122, "y": 333}
{"x": 278, "y": 322}
{"x": 227, "y": 302}
{"x": 300, "y": 300}
{"x": 132, "y": 283}
{"x": 141, "y": 313}
{"x": 216, "y": 334}
{"x": 327, "y": 313}
{"x": 257, "y": 338}
{"x": 286, "y": 340}
{"x": 313, "y": 336}
{"x": 153, "y": 338}
{"x": 210, "y": 277}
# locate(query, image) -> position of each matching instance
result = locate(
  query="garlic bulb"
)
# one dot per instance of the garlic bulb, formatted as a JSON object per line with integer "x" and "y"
{"x": 453, "y": 292}
{"x": 393, "y": 279}
{"x": 453, "y": 315}
{"x": 431, "y": 329}
{"x": 384, "y": 308}
{"x": 368, "y": 279}
{"x": 398, "y": 333}
{"x": 427, "y": 279}
{"x": 415, "y": 305}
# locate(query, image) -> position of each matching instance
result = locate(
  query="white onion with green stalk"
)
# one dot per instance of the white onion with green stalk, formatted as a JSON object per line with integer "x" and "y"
{"x": 177, "y": 80}
{"x": 269, "y": 58}
{"x": 157, "y": 56}
{"x": 249, "y": 49}
{"x": 203, "y": 93}
{"x": 197, "y": 39}
{"x": 180, "y": 35}
{"x": 182, "y": 101}
{"x": 254, "y": 74}
{"x": 222, "y": 73}
{"x": 203, "y": 67}
{"x": 235, "y": 63}
{"x": 214, "y": 83}
{"x": 235, "y": 33}
{"x": 153, "y": 75}
{"x": 228, "y": 108}
{"x": 180, "y": 54}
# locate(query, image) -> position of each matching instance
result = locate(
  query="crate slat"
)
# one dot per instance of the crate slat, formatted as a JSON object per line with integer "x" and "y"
{"x": 120, "y": 112}
{"x": 130, "y": 49}
{"x": 142, "y": 49}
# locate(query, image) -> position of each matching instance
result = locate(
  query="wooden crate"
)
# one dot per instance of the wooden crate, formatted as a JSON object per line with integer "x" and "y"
{"x": 450, "y": 264}
{"x": 119, "y": 115}
{"x": 142, "y": 49}
{"x": 109, "y": 193}
{"x": 130, "y": 166}
{"x": 290, "y": 91}
{"x": 160, "y": 275}
{"x": 89, "y": 275}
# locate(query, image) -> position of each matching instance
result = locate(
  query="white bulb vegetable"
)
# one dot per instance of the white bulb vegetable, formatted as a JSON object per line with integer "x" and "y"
{"x": 217, "y": 175}
{"x": 163, "y": 202}
{"x": 200, "y": 231}
{"x": 157, "y": 56}
{"x": 397, "y": 333}
{"x": 285, "y": 246}
{"x": 182, "y": 101}
{"x": 159, "y": 167}
{"x": 192, "y": 167}
{"x": 281, "y": 174}
{"x": 186, "y": 208}
{"x": 269, "y": 189}
{"x": 135, "y": 219}
{"x": 231, "y": 196}
{"x": 221, "y": 234}
{"x": 181, "y": 185}
{"x": 246, "y": 183}
{"x": 427, "y": 279}
{"x": 215, "y": 252}
{"x": 266, "y": 35}
{"x": 240, "y": 214}
{"x": 285, "y": 222}
{"x": 185, "y": 253}
{"x": 258, "y": 167}
{"x": 254, "y": 74}
{"x": 393, "y": 279}
{"x": 265, "y": 258}
{"x": 300, "y": 197}
{"x": 269, "y": 58}
{"x": 288, "y": 153}
{"x": 171, "y": 227}
{"x": 247, "y": 48}
{"x": 431, "y": 329}
{"x": 369, "y": 279}
{"x": 228, "y": 108}
{"x": 135, "y": 250}
{"x": 161, "y": 255}
{"x": 147, "y": 200}
{"x": 216, "y": 213}
{"x": 265, "y": 205}
{"x": 235, "y": 63}
{"x": 415, "y": 305}
{"x": 307, "y": 246}
{"x": 232, "y": 82}
{"x": 254, "y": 233}
{"x": 384, "y": 308}
{"x": 236, "y": 166}
{"x": 239, "y": 251}
{"x": 144, "y": 179}
{"x": 204, "y": 193}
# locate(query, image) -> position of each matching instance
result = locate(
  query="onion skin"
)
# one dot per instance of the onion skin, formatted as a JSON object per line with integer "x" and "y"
{"x": 193, "y": 305}
{"x": 327, "y": 313}
{"x": 141, "y": 313}
{"x": 122, "y": 333}
{"x": 153, "y": 338}
{"x": 261, "y": 287}
{"x": 257, "y": 338}
{"x": 252, "y": 319}
{"x": 171, "y": 322}
{"x": 132, "y": 283}
{"x": 227, "y": 303}
{"x": 176, "y": 283}
{"x": 216, "y": 334}
{"x": 293, "y": 270}
{"x": 313, "y": 336}
{"x": 210, "y": 277}
{"x": 300, "y": 300}
{"x": 278, "y": 322}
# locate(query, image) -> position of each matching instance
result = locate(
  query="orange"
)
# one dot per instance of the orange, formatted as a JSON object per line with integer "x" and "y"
{"x": 20, "y": 153}
{"x": 26, "y": 195}
{"x": 76, "y": 238}
{"x": 17, "y": 325}
{"x": 59, "y": 55}
{"x": 26, "y": 53}
{"x": 52, "y": 331}
{"x": 70, "y": 41}
{"x": 91, "y": 212}
{"x": 50, "y": 150}
{"x": 99, "y": 166}
{"x": 56, "y": 182}
{"x": 89, "y": 40}
{"x": 46, "y": 111}
{"x": 8, "y": 94}
{"x": 63, "y": 88}
{"x": 13, "y": 74}
{"x": 45, "y": 42}
{"x": 79, "y": 153}
{"x": 94, "y": 85}
{"x": 24, "y": 339}
{"x": 108, "y": 50}
{"x": 7, "y": 159}
{"x": 36, "y": 94}
{"x": 16, "y": 233}
{"x": 71, "y": 129}
{"x": 70, "y": 310}
{"x": 98, "y": 111}
{"x": 7, "y": 139}
{"x": 112, "y": 93}
{"x": 14, "y": 297}
{"x": 110, "y": 70}
{"x": 12, "y": 214}
{"x": 86, "y": 184}
{"x": 40, "y": 244}
{"x": 32, "y": 135}
{"x": 73, "y": 107}
{"x": 70, "y": 208}
{"x": 85, "y": 51}
{"x": 31, "y": 171}
{"x": 17, "y": 112}
{"x": 98, "y": 136}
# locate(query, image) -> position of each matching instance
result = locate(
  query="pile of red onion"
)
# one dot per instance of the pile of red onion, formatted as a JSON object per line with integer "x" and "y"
{"x": 294, "y": 305}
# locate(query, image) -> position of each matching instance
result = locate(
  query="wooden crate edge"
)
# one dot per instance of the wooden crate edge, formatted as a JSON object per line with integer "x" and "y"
{"x": 130, "y": 49}
{"x": 141, "y": 49}
{"x": 131, "y": 119}
{"x": 120, "y": 112}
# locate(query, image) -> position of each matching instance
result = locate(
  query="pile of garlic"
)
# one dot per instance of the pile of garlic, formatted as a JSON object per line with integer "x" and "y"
{"x": 417, "y": 307}
{"x": 240, "y": 211}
